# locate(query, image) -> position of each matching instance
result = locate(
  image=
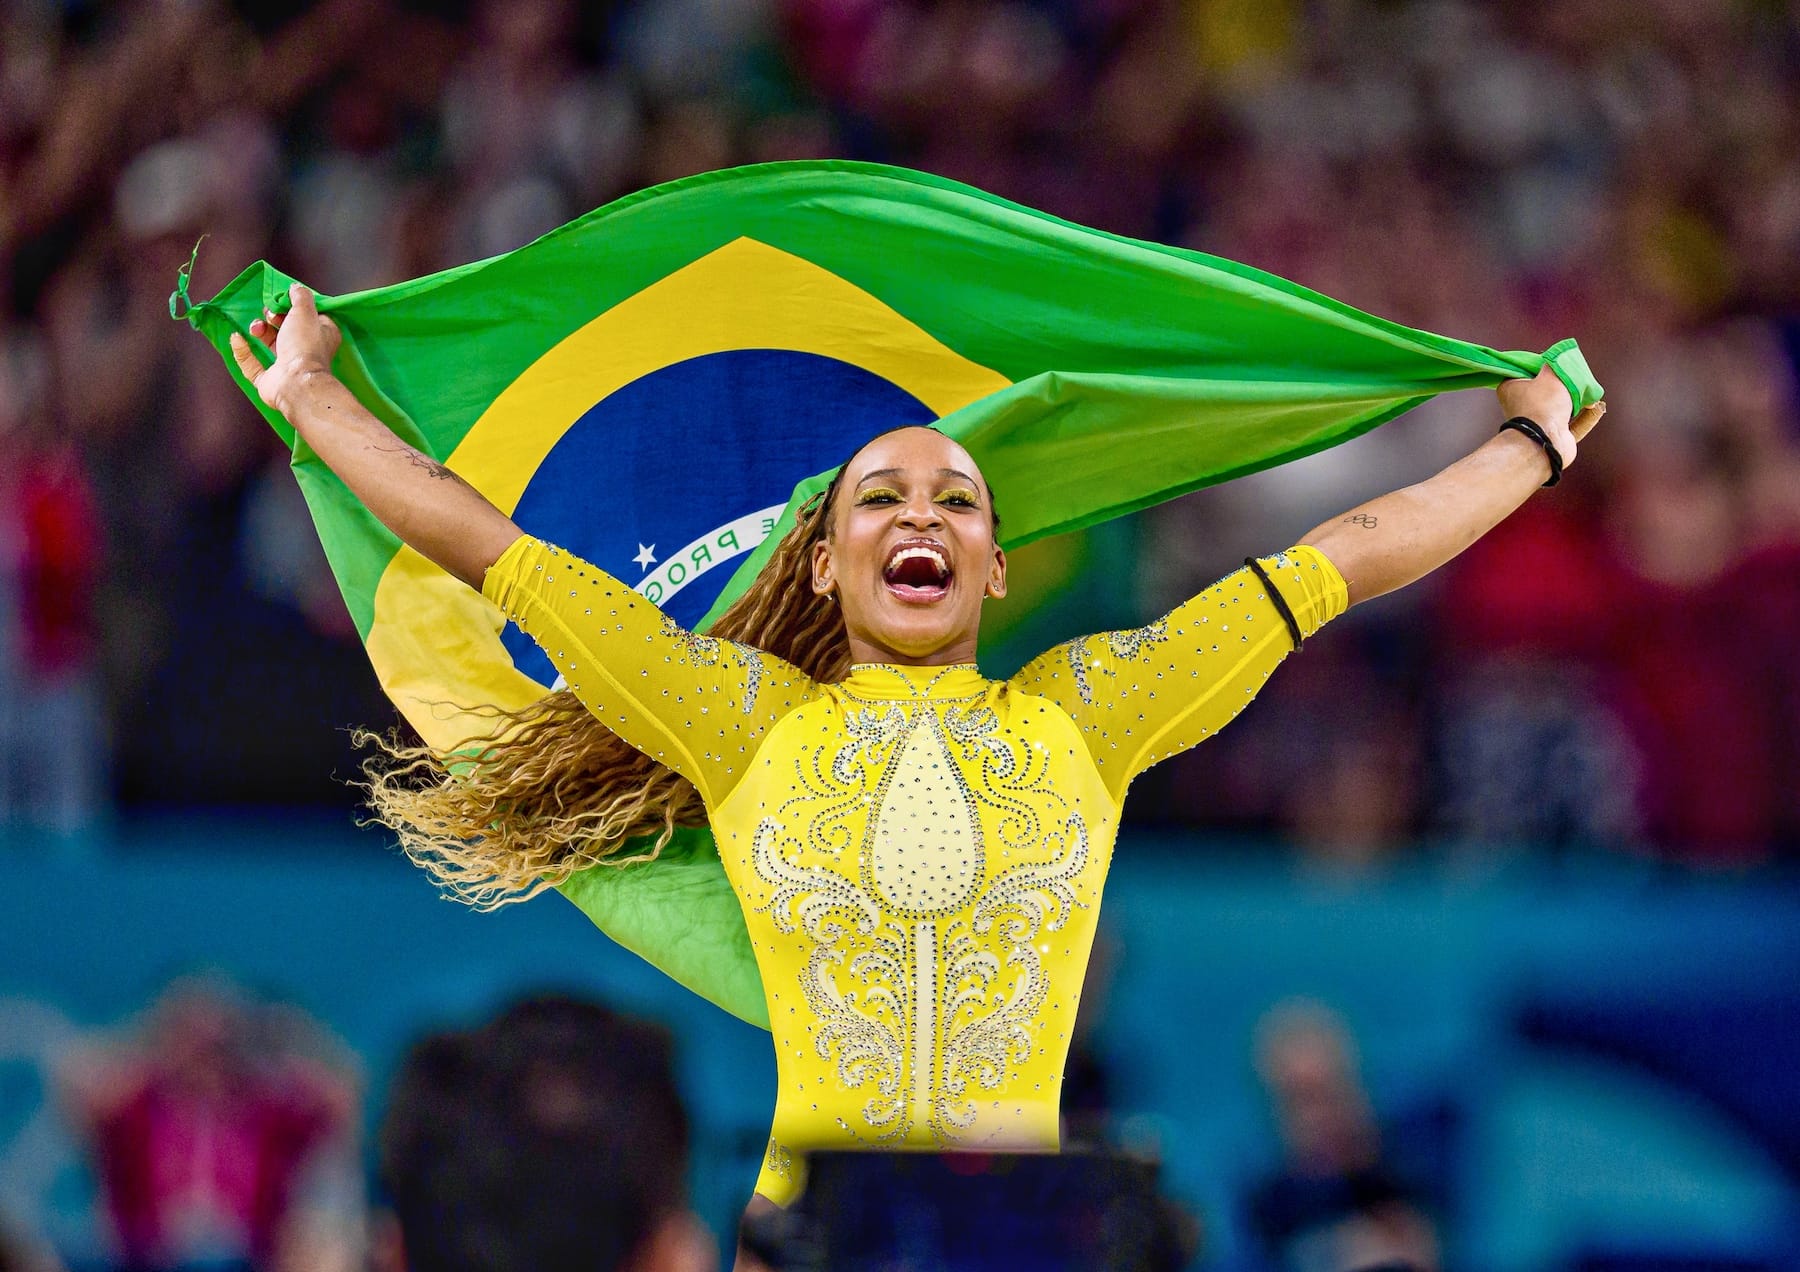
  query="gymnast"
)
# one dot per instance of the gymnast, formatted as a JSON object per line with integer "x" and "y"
{"x": 919, "y": 851}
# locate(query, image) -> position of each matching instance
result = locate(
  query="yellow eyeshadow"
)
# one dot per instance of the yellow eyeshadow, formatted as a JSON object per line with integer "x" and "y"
{"x": 887, "y": 492}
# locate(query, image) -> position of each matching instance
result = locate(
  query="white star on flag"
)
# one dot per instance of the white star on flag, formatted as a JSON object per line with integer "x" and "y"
{"x": 646, "y": 556}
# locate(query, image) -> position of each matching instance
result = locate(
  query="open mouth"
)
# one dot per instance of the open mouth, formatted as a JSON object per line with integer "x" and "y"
{"x": 917, "y": 570}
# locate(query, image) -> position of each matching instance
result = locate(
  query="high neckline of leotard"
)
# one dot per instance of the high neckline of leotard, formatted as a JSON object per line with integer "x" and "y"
{"x": 894, "y": 681}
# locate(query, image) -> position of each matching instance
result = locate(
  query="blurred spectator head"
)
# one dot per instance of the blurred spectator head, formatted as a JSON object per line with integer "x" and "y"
{"x": 1307, "y": 1062}
{"x": 200, "y": 1036}
{"x": 551, "y": 1138}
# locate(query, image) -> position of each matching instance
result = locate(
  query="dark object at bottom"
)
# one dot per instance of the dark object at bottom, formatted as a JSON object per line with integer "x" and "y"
{"x": 972, "y": 1212}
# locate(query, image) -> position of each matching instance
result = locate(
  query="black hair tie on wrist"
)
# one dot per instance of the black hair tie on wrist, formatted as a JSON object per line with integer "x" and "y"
{"x": 1281, "y": 605}
{"x": 1535, "y": 431}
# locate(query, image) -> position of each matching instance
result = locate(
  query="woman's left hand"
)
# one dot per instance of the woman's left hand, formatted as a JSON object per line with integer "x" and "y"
{"x": 1545, "y": 400}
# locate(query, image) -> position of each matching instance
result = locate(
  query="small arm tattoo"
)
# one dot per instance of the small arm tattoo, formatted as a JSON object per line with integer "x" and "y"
{"x": 1367, "y": 520}
{"x": 419, "y": 459}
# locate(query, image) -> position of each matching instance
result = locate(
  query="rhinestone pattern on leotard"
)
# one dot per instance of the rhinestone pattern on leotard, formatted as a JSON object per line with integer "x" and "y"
{"x": 922, "y": 980}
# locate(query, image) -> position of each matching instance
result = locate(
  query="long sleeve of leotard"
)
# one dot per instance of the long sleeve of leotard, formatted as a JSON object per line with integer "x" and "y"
{"x": 1143, "y": 695}
{"x": 698, "y": 704}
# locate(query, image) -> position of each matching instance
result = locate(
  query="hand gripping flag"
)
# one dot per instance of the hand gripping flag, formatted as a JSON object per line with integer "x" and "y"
{"x": 657, "y": 385}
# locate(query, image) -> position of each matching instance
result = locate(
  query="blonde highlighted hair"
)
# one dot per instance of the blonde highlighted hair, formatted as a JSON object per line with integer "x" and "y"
{"x": 551, "y": 790}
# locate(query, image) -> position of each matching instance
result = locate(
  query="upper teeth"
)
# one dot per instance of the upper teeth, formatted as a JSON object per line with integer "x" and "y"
{"x": 906, "y": 554}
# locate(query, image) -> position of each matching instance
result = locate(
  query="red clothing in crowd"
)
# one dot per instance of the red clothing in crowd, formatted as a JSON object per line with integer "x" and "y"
{"x": 1699, "y": 676}
{"x": 60, "y": 540}
{"x": 174, "y": 1164}
{"x": 1705, "y": 684}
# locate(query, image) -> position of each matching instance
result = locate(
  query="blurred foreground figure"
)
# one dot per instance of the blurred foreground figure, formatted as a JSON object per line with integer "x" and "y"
{"x": 221, "y": 1138}
{"x": 1332, "y": 1206}
{"x": 550, "y": 1140}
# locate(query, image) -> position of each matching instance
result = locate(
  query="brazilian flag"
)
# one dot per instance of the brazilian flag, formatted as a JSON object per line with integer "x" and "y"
{"x": 656, "y": 385}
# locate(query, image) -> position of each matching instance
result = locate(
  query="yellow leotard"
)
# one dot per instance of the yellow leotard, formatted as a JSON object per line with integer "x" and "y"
{"x": 919, "y": 851}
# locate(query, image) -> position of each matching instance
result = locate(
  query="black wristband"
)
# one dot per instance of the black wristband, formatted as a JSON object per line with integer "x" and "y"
{"x": 1535, "y": 431}
{"x": 1281, "y": 605}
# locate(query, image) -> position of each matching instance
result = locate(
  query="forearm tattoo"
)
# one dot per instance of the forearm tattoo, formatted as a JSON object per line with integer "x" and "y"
{"x": 1367, "y": 520}
{"x": 418, "y": 459}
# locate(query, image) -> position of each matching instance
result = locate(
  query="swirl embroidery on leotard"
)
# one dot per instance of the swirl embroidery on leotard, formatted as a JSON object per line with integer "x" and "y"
{"x": 808, "y": 895}
{"x": 979, "y": 1046}
{"x": 873, "y": 731}
{"x": 705, "y": 651}
{"x": 1125, "y": 644}
{"x": 868, "y": 1039}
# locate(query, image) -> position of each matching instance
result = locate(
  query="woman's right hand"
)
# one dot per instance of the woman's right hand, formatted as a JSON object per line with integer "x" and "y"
{"x": 304, "y": 342}
{"x": 419, "y": 499}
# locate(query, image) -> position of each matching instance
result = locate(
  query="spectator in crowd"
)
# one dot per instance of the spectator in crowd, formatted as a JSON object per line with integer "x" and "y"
{"x": 51, "y": 751}
{"x": 549, "y": 1140}
{"x": 1333, "y": 1204}
{"x": 223, "y": 1138}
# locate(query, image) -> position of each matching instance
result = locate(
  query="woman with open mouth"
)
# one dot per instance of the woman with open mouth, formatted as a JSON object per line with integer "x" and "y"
{"x": 919, "y": 851}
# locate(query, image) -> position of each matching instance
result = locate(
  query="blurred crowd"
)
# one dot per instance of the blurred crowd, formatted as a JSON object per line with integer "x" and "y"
{"x": 223, "y": 1133}
{"x": 1612, "y": 668}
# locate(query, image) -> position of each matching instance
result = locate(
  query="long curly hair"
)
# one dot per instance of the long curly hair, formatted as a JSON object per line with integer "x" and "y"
{"x": 550, "y": 790}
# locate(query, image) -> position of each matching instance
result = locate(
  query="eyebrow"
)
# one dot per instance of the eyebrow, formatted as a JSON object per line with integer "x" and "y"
{"x": 901, "y": 472}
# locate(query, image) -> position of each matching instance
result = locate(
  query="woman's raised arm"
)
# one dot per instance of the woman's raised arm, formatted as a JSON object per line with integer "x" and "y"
{"x": 697, "y": 705}
{"x": 430, "y": 508}
{"x": 1391, "y": 541}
